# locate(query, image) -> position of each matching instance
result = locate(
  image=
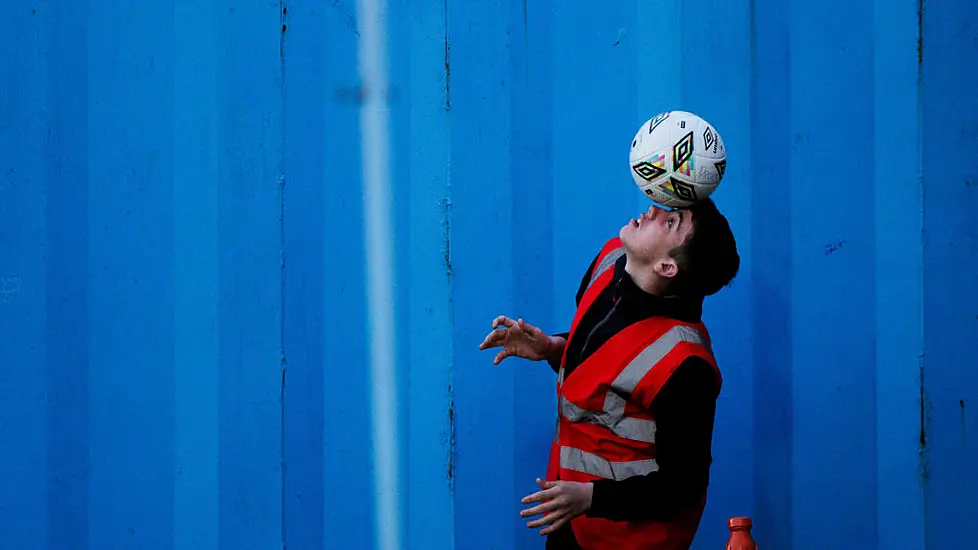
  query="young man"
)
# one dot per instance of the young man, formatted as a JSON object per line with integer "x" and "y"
{"x": 637, "y": 387}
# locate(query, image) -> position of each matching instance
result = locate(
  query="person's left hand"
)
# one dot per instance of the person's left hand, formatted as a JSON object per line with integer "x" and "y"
{"x": 567, "y": 500}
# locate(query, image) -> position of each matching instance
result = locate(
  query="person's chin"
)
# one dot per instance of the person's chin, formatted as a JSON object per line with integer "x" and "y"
{"x": 625, "y": 233}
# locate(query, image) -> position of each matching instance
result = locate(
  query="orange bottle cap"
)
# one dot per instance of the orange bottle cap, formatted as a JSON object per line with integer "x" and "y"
{"x": 739, "y": 523}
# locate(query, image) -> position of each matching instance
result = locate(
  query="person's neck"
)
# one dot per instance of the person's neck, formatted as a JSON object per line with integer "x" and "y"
{"x": 644, "y": 277}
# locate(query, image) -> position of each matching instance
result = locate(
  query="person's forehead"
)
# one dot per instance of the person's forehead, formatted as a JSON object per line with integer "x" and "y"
{"x": 687, "y": 217}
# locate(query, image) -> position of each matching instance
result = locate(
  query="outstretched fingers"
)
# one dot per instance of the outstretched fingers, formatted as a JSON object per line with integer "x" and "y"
{"x": 493, "y": 339}
{"x": 504, "y": 321}
{"x": 501, "y": 355}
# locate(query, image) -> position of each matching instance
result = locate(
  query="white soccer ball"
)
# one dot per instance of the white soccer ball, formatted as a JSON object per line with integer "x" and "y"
{"x": 677, "y": 159}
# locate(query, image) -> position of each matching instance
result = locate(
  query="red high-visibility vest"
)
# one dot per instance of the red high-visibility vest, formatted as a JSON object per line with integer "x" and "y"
{"x": 605, "y": 429}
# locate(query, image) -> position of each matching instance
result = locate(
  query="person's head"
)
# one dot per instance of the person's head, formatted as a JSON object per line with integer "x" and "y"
{"x": 689, "y": 251}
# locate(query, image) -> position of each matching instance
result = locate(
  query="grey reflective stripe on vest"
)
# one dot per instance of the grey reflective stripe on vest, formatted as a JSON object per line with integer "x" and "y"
{"x": 637, "y": 429}
{"x": 606, "y": 263}
{"x": 636, "y": 370}
{"x": 613, "y": 416}
{"x": 581, "y": 461}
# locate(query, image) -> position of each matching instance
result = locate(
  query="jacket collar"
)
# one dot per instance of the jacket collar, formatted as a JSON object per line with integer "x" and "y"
{"x": 644, "y": 305}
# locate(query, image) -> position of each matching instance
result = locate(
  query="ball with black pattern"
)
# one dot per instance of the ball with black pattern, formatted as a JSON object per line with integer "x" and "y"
{"x": 677, "y": 158}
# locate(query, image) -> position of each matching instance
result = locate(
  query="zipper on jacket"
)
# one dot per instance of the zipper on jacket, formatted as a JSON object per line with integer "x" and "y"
{"x": 614, "y": 299}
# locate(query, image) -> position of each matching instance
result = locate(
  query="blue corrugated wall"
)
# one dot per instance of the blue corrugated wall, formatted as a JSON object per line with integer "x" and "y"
{"x": 184, "y": 359}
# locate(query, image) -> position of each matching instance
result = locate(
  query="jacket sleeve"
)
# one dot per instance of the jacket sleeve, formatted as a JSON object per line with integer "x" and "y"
{"x": 684, "y": 410}
{"x": 580, "y": 294}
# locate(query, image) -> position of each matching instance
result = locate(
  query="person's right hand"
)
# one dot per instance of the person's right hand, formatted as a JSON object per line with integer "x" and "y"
{"x": 518, "y": 338}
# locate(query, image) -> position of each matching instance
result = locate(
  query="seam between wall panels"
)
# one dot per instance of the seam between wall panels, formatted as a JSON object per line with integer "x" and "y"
{"x": 283, "y": 364}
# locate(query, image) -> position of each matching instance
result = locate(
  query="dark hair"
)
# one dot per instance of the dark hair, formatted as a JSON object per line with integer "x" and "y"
{"x": 708, "y": 258}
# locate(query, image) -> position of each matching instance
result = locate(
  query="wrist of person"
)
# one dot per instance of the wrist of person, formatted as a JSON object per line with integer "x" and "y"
{"x": 549, "y": 353}
{"x": 555, "y": 349}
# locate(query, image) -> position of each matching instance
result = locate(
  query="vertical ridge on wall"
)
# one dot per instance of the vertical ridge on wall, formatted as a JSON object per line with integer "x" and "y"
{"x": 421, "y": 69}
{"x": 283, "y": 282}
{"x": 68, "y": 223}
{"x": 347, "y": 479}
{"x": 130, "y": 197}
{"x": 305, "y": 317}
{"x": 720, "y": 59}
{"x": 949, "y": 417}
{"x": 196, "y": 225}
{"x": 24, "y": 304}
{"x": 832, "y": 272}
{"x": 899, "y": 276}
{"x": 482, "y": 198}
{"x": 249, "y": 274}
{"x": 531, "y": 241}
{"x": 772, "y": 290}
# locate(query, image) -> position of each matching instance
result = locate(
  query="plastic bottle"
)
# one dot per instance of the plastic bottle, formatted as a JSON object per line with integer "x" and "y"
{"x": 740, "y": 538}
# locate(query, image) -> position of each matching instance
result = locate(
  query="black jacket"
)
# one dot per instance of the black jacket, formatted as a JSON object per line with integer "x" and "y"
{"x": 683, "y": 409}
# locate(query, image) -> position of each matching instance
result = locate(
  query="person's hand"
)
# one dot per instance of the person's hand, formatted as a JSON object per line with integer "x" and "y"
{"x": 518, "y": 338}
{"x": 565, "y": 500}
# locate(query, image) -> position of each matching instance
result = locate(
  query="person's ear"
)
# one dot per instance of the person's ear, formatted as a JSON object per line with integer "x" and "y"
{"x": 667, "y": 268}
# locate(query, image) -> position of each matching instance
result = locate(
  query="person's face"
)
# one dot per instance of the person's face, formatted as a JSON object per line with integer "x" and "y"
{"x": 648, "y": 239}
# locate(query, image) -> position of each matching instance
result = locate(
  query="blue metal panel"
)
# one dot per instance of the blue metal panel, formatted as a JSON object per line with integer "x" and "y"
{"x": 949, "y": 384}
{"x": 249, "y": 263}
{"x": 136, "y": 257}
{"x": 305, "y": 316}
{"x": 196, "y": 246}
{"x": 772, "y": 289}
{"x": 181, "y": 209}
{"x": 130, "y": 284}
{"x": 24, "y": 179}
{"x": 532, "y": 244}
{"x": 346, "y": 441}
{"x": 67, "y": 340}
{"x": 422, "y": 145}
{"x": 329, "y": 487}
{"x": 832, "y": 256}
{"x": 482, "y": 267}
{"x": 898, "y": 226}
{"x": 723, "y": 53}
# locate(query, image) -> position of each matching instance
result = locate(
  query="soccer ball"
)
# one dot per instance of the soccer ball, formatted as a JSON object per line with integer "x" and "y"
{"x": 677, "y": 159}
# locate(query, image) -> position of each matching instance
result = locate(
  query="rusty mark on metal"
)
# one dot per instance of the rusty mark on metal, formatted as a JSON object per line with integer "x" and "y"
{"x": 446, "y": 209}
{"x": 964, "y": 433}
{"x": 920, "y": 32}
{"x": 833, "y": 247}
{"x": 451, "y": 437}
{"x": 924, "y": 417}
{"x": 923, "y": 414}
{"x": 448, "y": 64}
{"x": 281, "y": 40}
